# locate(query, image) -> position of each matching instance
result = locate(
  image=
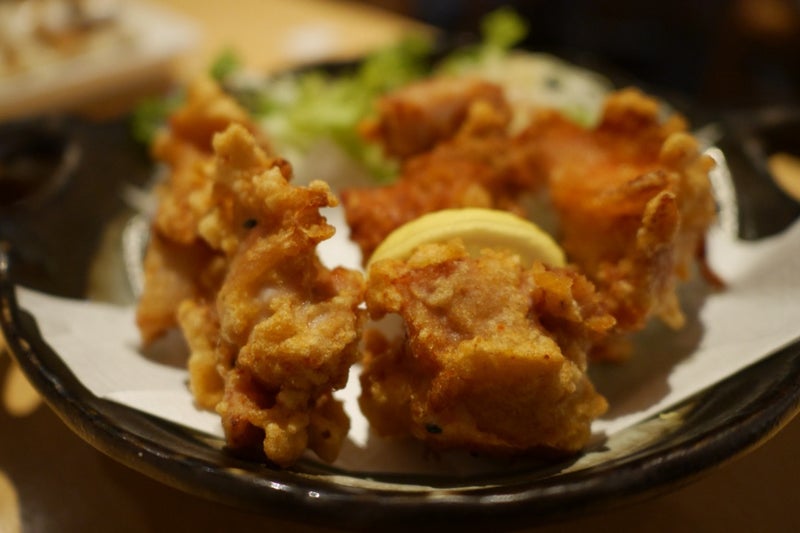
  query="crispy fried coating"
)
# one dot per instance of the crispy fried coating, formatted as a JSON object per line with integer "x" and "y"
{"x": 471, "y": 166}
{"x": 232, "y": 261}
{"x": 179, "y": 263}
{"x": 634, "y": 202}
{"x": 186, "y": 148}
{"x": 174, "y": 272}
{"x": 421, "y": 115}
{"x": 200, "y": 327}
{"x": 288, "y": 327}
{"x": 493, "y": 356}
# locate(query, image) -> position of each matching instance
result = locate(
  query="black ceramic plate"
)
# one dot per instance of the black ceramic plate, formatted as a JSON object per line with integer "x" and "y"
{"x": 53, "y": 226}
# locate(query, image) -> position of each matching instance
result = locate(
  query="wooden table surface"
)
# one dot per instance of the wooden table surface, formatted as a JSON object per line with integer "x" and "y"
{"x": 52, "y": 481}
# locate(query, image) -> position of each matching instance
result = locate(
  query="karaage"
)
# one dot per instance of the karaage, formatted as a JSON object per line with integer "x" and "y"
{"x": 492, "y": 357}
{"x": 289, "y": 328}
{"x": 179, "y": 263}
{"x": 232, "y": 261}
{"x": 416, "y": 118}
{"x": 634, "y": 203}
{"x": 471, "y": 162}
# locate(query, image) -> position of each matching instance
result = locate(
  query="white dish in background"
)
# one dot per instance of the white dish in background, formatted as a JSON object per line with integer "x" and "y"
{"x": 138, "y": 47}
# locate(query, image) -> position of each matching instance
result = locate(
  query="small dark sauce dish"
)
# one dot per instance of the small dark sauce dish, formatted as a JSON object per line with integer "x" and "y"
{"x": 36, "y": 158}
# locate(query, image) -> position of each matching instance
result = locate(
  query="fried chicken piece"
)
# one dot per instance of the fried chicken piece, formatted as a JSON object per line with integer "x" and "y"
{"x": 174, "y": 272}
{"x": 473, "y": 167}
{"x": 634, "y": 202}
{"x": 207, "y": 111}
{"x": 186, "y": 148}
{"x": 232, "y": 261}
{"x": 179, "y": 263}
{"x": 288, "y": 327}
{"x": 200, "y": 327}
{"x": 421, "y": 115}
{"x": 493, "y": 357}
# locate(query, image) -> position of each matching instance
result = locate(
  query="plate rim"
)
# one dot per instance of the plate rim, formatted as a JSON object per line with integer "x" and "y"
{"x": 310, "y": 498}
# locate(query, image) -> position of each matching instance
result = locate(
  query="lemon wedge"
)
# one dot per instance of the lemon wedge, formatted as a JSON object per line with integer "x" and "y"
{"x": 477, "y": 228}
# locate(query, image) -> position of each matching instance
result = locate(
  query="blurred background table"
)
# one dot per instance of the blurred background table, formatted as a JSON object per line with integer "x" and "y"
{"x": 50, "y": 480}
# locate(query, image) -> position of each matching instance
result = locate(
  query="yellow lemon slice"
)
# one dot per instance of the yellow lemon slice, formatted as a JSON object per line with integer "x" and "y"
{"x": 477, "y": 228}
